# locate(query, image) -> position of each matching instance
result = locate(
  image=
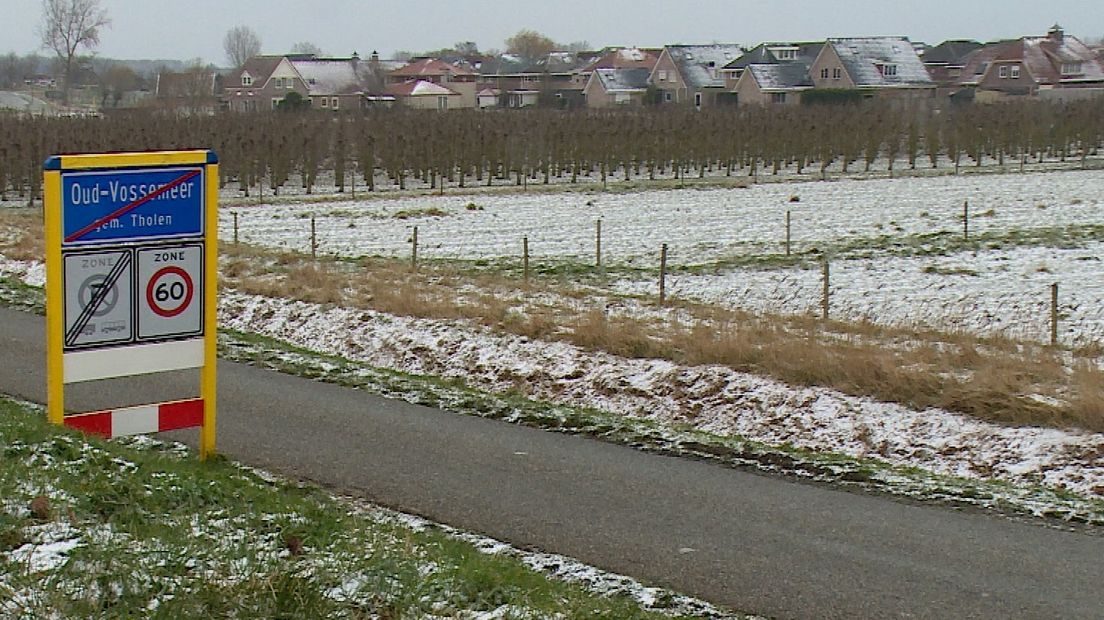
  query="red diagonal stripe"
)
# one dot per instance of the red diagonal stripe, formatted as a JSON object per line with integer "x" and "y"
{"x": 130, "y": 207}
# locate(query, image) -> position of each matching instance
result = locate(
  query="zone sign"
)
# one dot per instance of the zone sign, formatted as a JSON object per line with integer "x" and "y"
{"x": 169, "y": 291}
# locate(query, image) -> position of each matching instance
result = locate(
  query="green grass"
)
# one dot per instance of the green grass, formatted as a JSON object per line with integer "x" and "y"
{"x": 154, "y": 533}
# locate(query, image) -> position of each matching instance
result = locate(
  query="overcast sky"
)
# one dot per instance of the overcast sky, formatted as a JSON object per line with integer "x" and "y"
{"x": 160, "y": 29}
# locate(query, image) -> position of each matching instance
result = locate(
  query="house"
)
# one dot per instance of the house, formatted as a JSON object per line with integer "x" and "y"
{"x": 194, "y": 91}
{"x": 772, "y": 73}
{"x": 692, "y": 74}
{"x": 616, "y": 87}
{"x": 1032, "y": 66}
{"x": 457, "y": 78}
{"x": 946, "y": 61}
{"x": 617, "y": 58}
{"x": 425, "y": 95}
{"x": 328, "y": 83}
{"x": 488, "y": 98}
{"x": 772, "y": 84}
{"x": 548, "y": 81}
{"x": 885, "y": 67}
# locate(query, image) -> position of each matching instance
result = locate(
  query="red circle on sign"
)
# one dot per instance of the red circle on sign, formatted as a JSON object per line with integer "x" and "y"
{"x": 188, "y": 291}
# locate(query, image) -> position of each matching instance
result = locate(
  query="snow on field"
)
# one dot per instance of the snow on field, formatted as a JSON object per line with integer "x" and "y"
{"x": 712, "y": 398}
{"x": 1004, "y": 291}
{"x": 699, "y": 225}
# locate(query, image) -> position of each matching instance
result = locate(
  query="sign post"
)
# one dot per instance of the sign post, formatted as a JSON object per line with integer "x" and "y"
{"x": 131, "y": 270}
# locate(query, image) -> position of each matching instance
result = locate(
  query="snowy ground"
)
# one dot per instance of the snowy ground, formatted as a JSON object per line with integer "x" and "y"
{"x": 1001, "y": 287}
{"x": 715, "y": 399}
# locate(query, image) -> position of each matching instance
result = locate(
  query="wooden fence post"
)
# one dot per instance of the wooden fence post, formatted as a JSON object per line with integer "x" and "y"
{"x": 525, "y": 257}
{"x": 1054, "y": 314}
{"x": 314, "y": 240}
{"x": 663, "y": 274}
{"x": 966, "y": 220}
{"x": 825, "y": 292}
{"x": 787, "y": 232}
{"x": 235, "y": 228}
{"x": 414, "y": 250}
{"x": 598, "y": 243}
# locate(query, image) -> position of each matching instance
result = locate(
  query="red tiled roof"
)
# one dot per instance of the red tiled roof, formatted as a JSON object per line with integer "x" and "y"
{"x": 430, "y": 66}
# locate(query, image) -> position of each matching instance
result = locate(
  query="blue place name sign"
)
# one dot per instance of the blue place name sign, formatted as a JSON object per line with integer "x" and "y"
{"x": 132, "y": 205}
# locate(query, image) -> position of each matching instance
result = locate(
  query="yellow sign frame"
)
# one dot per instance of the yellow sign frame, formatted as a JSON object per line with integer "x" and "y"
{"x": 55, "y": 294}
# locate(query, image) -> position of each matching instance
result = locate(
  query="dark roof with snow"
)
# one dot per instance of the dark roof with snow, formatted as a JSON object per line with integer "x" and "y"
{"x": 780, "y": 76}
{"x": 623, "y": 79}
{"x": 950, "y": 53}
{"x": 761, "y": 54}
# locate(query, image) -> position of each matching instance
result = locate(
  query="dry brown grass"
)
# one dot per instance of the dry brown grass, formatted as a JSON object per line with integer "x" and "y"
{"x": 21, "y": 235}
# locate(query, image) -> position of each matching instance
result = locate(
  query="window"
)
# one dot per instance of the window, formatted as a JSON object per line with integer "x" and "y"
{"x": 622, "y": 98}
{"x": 289, "y": 83}
{"x": 778, "y": 97}
{"x": 824, "y": 73}
{"x": 333, "y": 103}
{"x": 279, "y": 82}
{"x": 697, "y": 100}
{"x": 785, "y": 53}
{"x": 442, "y": 102}
{"x": 247, "y": 80}
{"x": 325, "y": 102}
{"x": 1071, "y": 68}
{"x": 1003, "y": 72}
{"x": 837, "y": 73}
{"x": 662, "y": 76}
{"x": 667, "y": 96}
{"x": 889, "y": 70}
{"x": 1014, "y": 71}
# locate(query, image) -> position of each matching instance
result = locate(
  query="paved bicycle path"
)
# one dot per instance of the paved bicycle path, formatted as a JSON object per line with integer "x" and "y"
{"x": 752, "y": 542}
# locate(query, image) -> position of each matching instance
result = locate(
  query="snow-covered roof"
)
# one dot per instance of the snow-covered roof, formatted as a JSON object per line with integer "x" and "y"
{"x": 867, "y": 61}
{"x": 781, "y": 76}
{"x": 332, "y": 76}
{"x": 700, "y": 65}
{"x": 22, "y": 102}
{"x": 418, "y": 88}
{"x": 623, "y": 80}
{"x": 1044, "y": 58}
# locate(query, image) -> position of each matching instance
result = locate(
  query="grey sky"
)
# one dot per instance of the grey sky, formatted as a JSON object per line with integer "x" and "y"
{"x": 194, "y": 28}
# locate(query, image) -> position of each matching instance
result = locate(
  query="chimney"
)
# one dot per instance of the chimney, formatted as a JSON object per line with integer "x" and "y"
{"x": 1056, "y": 34}
{"x": 374, "y": 57}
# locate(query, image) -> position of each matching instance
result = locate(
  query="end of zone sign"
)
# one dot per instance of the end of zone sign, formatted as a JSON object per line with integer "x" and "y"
{"x": 131, "y": 270}
{"x": 128, "y": 205}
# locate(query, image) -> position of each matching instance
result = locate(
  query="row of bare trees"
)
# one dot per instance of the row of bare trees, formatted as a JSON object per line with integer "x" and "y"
{"x": 262, "y": 153}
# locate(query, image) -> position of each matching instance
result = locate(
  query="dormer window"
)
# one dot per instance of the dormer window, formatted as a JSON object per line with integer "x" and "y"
{"x": 887, "y": 70}
{"x": 247, "y": 80}
{"x": 784, "y": 53}
{"x": 1071, "y": 68}
{"x": 1014, "y": 72}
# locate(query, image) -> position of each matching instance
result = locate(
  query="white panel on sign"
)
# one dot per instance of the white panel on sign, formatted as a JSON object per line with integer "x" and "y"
{"x": 138, "y": 359}
{"x": 98, "y": 298}
{"x": 170, "y": 292}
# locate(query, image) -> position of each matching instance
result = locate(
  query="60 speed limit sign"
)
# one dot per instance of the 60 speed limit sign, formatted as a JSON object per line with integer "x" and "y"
{"x": 170, "y": 291}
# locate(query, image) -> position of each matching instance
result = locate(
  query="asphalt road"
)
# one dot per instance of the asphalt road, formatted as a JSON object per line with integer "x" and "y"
{"x": 751, "y": 542}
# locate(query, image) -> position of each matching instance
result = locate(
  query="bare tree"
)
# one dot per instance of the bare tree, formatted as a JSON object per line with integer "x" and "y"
{"x": 241, "y": 44}
{"x": 306, "y": 47}
{"x": 68, "y": 25}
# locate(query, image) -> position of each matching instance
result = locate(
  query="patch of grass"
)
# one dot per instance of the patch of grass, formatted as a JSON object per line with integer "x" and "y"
{"x": 151, "y": 532}
{"x": 407, "y": 214}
